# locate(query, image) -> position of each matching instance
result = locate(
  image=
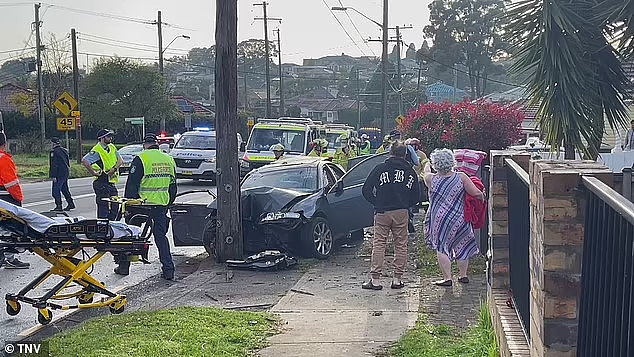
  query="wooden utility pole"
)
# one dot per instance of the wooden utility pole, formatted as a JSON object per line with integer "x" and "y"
{"x": 229, "y": 243}
{"x": 159, "y": 25}
{"x": 40, "y": 85}
{"x": 268, "y": 56}
{"x": 279, "y": 55}
{"x": 73, "y": 36}
{"x": 358, "y": 100}
{"x": 384, "y": 60}
{"x": 399, "y": 75}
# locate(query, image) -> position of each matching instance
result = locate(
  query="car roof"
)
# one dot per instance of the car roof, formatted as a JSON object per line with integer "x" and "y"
{"x": 200, "y": 133}
{"x": 291, "y": 162}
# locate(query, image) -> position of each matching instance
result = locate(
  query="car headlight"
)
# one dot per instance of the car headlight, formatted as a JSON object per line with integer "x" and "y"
{"x": 279, "y": 215}
{"x": 211, "y": 160}
{"x": 244, "y": 164}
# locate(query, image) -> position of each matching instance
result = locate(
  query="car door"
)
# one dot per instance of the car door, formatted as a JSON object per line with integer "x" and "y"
{"x": 348, "y": 210}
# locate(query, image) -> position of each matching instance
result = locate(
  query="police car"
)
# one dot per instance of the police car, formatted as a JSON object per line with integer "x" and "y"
{"x": 195, "y": 155}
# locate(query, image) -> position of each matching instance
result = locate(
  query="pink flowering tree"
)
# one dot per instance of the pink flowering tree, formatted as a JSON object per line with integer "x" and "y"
{"x": 480, "y": 126}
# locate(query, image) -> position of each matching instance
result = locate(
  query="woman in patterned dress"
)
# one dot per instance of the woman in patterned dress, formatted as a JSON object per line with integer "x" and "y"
{"x": 446, "y": 230}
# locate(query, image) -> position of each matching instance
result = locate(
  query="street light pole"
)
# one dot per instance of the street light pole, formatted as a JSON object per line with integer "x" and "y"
{"x": 384, "y": 68}
{"x": 161, "y": 53}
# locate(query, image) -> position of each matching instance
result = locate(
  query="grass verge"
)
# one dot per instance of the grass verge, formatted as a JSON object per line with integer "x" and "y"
{"x": 185, "y": 331}
{"x": 425, "y": 340}
{"x": 36, "y": 167}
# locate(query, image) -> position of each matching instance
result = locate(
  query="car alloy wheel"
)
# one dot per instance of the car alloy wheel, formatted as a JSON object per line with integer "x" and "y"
{"x": 322, "y": 238}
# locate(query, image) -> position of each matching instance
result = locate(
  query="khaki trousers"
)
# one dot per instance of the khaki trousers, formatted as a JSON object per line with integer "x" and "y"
{"x": 384, "y": 223}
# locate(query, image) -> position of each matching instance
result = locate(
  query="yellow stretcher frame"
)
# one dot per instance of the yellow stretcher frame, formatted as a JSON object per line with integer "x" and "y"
{"x": 60, "y": 253}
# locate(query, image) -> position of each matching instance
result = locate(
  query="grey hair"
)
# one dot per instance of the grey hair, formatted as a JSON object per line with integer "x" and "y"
{"x": 443, "y": 161}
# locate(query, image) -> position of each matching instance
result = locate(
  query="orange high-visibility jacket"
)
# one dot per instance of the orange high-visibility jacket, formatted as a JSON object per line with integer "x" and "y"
{"x": 9, "y": 177}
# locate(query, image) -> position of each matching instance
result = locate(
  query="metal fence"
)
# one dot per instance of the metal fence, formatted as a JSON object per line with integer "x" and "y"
{"x": 606, "y": 314}
{"x": 519, "y": 241}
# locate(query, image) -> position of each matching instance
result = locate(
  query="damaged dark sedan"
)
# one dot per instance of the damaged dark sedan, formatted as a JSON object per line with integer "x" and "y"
{"x": 300, "y": 205}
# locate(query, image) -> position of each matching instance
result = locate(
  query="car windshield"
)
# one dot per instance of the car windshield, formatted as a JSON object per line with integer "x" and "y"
{"x": 131, "y": 150}
{"x": 333, "y": 140}
{"x": 303, "y": 179}
{"x": 263, "y": 139}
{"x": 197, "y": 142}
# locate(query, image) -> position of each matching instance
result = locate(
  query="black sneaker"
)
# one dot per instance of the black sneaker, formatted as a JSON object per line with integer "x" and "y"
{"x": 168, "y": 275}
{"x": 57, "y": 209}
{"x": 122, "y": 270}
{"x": 16, "y": 264}
{"x": 70, "y": 206}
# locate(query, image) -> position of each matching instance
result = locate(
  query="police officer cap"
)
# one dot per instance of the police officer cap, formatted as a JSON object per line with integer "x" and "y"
{"x": 395, "y": 134}
{"x": 56, "y": 140}
{"x": 103, "y": 133}
{"x": 150, "y": 138}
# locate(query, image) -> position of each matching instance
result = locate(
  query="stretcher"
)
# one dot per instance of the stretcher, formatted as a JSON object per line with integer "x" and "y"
{"x": 59, "y": 241}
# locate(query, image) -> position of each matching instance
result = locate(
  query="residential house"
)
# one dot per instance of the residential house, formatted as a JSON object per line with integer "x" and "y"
{"x": 440, "y": 92}
{"x": 187, "y": 106}
{"x": 9, "y": 91}
{"x": 326, "y": 110}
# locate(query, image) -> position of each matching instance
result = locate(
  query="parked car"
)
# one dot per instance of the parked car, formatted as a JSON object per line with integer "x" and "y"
{"x": 301, "y": 205}
{"x": 128, "y": 153}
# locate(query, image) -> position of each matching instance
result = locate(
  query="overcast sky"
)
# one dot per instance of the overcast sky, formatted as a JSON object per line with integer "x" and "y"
{"x": 308, "y": 29}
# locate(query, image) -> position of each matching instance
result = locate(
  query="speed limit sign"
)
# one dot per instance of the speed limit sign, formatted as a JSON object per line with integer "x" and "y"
{"x": 66, "y": 124}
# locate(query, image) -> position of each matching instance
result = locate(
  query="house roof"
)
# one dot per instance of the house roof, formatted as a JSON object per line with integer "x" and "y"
{"x": 188, "y": 106}
{"x": 3, "y": 86}
{"x": 443, "y": 88}
{"x": 325, "y": 105}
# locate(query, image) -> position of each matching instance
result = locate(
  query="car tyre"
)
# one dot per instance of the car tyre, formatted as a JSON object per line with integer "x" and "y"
{"x": 318, "y": 239}
{"x": 209, "y": 236}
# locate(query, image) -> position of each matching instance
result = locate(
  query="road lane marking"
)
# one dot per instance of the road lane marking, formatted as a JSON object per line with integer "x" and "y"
{"x": 56, "y": 317}
{"x": 48, "y": 202}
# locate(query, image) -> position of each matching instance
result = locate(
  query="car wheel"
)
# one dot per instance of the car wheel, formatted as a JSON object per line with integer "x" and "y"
{"x": 209, "y": 236}
{"x": 318, "y": 238}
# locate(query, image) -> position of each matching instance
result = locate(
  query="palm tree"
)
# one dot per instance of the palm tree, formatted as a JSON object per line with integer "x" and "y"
{"x": 572, "y": 53}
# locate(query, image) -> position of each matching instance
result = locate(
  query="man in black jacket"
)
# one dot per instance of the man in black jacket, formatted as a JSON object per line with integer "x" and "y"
{"x": 59, "y": 172}
{"x": 392, "y": 188}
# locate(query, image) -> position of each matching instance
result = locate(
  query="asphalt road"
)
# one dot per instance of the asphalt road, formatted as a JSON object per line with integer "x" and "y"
{"x": 38, "y": 198}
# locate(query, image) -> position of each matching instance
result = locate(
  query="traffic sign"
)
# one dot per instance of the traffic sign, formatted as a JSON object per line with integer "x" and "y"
{"x": 399, "y": 120}
{"x": 66, "y": 124}
{"x": 135, "y": 121}
{"x": 65, "y": 104}
{"x": 75, "y": 113}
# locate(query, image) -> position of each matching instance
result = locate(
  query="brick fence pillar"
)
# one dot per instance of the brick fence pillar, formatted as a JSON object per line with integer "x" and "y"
{"x": 499, "y": 216}
{"x": 557, "y": 210}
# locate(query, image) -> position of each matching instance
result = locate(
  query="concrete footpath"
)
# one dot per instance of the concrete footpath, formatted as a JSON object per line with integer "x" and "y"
{"x": 328, "y": 314}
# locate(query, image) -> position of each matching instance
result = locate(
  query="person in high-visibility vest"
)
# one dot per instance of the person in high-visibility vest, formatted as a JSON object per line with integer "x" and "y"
{"x": 153, "y": 178}
{"x": 278, "y": 151}
{"x": 103, "y": 162}
{"x": 10, "y": 191}
{"x": 344, "y": 153}
{"x": 320, "y": 147}
{"x": 385, "y": 146}
{"x": 365, "y": 147}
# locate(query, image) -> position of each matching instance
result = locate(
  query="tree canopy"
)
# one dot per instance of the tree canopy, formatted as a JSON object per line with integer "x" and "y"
{"x": 467, "y": 32}
{"x": 118, "y": 88}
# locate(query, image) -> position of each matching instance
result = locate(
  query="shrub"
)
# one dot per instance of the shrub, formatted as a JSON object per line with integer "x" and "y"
{"x": 480, "y": 126}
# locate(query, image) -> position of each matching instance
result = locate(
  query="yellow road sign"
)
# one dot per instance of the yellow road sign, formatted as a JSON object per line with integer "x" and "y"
{"x": 399, "y": 120}
{"x": 65, "y": 103}
{"x": 75, "y": 113}
{"x": 66, "y": 124}
{"x": 251, "y": 122}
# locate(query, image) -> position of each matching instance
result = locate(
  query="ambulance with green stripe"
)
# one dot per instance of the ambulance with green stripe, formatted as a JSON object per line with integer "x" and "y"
{"x": 332, "y": 132}
{"x": 295, "y": 134}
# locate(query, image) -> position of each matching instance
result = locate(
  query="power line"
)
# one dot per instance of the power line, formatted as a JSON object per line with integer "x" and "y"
{"x": 343, "y": 27}
{"x": 15, "y": 50}
{"x": 356, "y": 28}
{"x": 467, "y": 73}
{"x": 154, "y": 48}
{"x": 124, "y": 46}
{"x": 102, "y": 14}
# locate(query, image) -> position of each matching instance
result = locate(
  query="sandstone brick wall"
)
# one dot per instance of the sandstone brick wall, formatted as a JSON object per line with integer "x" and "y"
{"x": 557, "y": 220}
